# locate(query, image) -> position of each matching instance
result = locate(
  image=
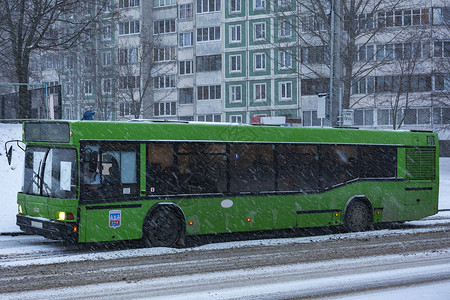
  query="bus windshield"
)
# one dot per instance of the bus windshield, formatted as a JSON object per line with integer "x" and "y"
{"x": 50, "y": 172}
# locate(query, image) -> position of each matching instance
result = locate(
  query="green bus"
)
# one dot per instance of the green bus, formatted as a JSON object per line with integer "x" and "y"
{"x": 161, "y": 181}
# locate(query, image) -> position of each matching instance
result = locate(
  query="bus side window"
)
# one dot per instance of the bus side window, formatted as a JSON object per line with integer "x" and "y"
{"x": 112, "y": 173}
{"x": 339, "y": 164}
{"x": 161, "y": 177}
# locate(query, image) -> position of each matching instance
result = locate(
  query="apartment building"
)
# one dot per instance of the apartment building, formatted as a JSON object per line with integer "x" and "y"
{"x": 231, "y": 60}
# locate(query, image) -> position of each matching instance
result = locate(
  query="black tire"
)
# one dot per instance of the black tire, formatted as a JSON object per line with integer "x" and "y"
{"x": 357, "y": 216}
{"x": 163, "y": 228}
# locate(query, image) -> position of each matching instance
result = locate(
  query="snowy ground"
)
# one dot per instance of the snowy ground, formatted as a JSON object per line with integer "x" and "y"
{"x": 11, "y": 179}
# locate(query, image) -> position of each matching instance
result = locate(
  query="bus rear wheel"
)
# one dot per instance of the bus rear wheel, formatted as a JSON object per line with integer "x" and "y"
{"x": 357, "y": 216}
{"x": 163, "y": 228}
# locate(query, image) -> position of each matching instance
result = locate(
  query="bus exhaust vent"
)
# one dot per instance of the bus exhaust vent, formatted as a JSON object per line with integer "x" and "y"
{"x": 421, "y": 164}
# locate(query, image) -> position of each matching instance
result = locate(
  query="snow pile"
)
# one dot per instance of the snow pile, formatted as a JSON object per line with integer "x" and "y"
{"x": 10, "y": 177}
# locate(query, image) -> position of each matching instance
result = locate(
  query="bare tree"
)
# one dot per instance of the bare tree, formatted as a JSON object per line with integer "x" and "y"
{"x": 30, "y": 25}
{"x": 441, "y": 67}
{"x": 407, "y": 79}
{"x": 310, "y": 22}
{"x": 136, "y": 63}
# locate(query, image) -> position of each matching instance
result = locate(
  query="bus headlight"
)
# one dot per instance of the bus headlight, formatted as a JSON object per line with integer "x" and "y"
{"x": 19, "y": 208}
{"x": 61, "y": 216}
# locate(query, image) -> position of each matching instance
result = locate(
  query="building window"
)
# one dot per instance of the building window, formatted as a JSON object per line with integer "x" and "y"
{"x": 128, "y": 3}
{"x": 129, "y": 27}
{"x": 259, "y": 31}
{"x": 51, "y": 62}
{"x": 236, "y": 119}
{"x": 107, "y": 86}
{"x": 129, "y": 82}
{"x": 186, "y": 67}
{"x": 442, "y": 82}
{"x": 235, "y": 93}
{"x": 164, "y": 54}
{"x": 284, "y": 3}
{"x": 406, "y": 17}
{"x": 127, "y": 108}
{"x": 204, "y": 6}
{"x": 235, "y": 34}
{"x": 209, "y": 92}
{"x": 285, "y": 89}
{"x": 70, "y": 62}
{"x": 235, "y": 63}
{"x": 209, "y": 118}
{"x": 363, "y": 117}
{"x": 284, "y": 29}
{"x": 363, "y": 85}
{"x": 88, "y": 87}
{"x": 417, "y": 116}
{"x": 165, "y": 109}
{"x": 88, "y": 60}
{"x": 441, "y": 115}
{"x": 186, "y": 95}
{"x": 186, "y": 39}
{"x": 235, "y": 6}
{"x": 315, "y": 86}
{"x": 164, "y": 82}
{"x": 69, "y": 89}
{"x": 398, "y": 51}
{"x": 186, "y": 11}
{"x": 208, "y": 63}
{"x": 441, "y": 49}
{"x": 259, "y": 4}
{"x": 364, "y": 21}
{"x": 164, "y": 26}
{"x": 106, "y": 34}
{"x": 311, "y": 23}
{"x": 405, "y": 83}
{"x": 384, "y": 116}
{"x": 259, "y": 61}
{"x": 259, "y": 90}
{"x": 208, "y": 34}
{"x": 106, "y": 7}
{"x": 162, "y": 3}
{"x": 315, "y": 55}
{"x": 310, "y": 118}
{"x": 366, "y": 53}
{"x": 441, "y": 15}
{"x": 284, "y": 60}
{"x": 106, "y": 58}
{"x": 128, "y": 55}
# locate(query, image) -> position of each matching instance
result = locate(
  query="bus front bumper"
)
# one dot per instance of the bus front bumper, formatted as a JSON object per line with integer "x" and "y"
{"x": 50, "y": 229}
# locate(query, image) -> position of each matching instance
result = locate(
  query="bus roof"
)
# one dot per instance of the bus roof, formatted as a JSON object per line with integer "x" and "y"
{"x": 187, "y": 131}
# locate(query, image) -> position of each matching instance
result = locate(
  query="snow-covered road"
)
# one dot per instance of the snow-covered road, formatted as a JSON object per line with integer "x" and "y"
{"x": 413, "y": 255}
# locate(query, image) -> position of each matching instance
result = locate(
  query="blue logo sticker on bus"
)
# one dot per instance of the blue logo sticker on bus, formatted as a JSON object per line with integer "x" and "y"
{"x": 115, "y": 218}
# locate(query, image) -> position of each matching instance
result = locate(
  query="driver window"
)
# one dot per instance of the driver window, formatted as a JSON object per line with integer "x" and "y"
{"x": 110, "y": 170}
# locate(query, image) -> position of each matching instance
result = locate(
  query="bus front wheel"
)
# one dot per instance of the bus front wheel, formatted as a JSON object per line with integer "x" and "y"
{"x": 163, "y": 228}
{"x": 357, "y": 216}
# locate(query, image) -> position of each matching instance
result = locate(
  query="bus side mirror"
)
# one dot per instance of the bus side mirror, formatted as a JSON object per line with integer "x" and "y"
{"x": 9, "y": 155}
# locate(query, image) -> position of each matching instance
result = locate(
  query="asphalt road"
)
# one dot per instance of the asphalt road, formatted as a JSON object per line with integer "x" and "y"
{"x": 316, "y": 265}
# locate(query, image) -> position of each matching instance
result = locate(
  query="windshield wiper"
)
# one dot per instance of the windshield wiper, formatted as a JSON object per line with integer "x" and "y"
{"x": 36, "y": 179}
